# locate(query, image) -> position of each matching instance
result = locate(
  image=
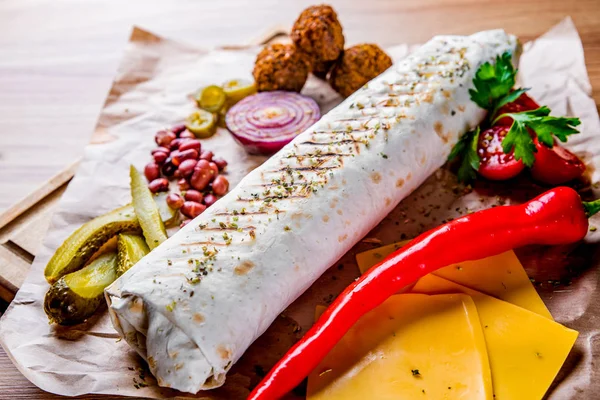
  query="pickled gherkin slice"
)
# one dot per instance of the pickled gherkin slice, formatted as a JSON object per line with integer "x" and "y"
{"x": 211, "y": 98}
{"x": 79, "y": 248}
{"x": 201, "y": 123}
{"x": 168, "y": 215}
{"x": 146, "y": 210}
{"x": 76, "y": 296}
{"x": 237, "y": 89}
{"x": 131, "y": 249}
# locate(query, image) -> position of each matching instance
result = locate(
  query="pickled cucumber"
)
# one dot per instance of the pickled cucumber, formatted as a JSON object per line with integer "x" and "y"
{"x": 146, "y": 210}
{"x": 78, "y": 248}
{"x": 131, "y": 249}
{"x": 76, "y": 296}
{"x": 169, "y": 216}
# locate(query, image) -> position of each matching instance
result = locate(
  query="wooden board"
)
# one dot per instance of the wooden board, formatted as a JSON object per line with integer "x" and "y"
{"x": 24, "y": 225}
{"x": 22, "y": 229}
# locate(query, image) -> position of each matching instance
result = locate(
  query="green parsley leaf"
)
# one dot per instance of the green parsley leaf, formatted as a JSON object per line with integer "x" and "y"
{"x": 543, "y": 111}
{"x": 459, "y": 148}
{"x": 518, "y": 138}
{"x": 545, "y": 127}
{"x": 557, "y": 126}
{"x": 493, "y": 82}
{"x": 466, "y": 149}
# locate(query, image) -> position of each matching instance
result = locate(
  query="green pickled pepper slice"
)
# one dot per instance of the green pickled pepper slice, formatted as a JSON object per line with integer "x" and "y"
{"x": 237, "y": 89}
{"x": 201, "y": 123}
{"x": 211, "y": 98}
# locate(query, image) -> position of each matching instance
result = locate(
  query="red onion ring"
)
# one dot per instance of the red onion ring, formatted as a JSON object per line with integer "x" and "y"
{"x": 265, "y": 122}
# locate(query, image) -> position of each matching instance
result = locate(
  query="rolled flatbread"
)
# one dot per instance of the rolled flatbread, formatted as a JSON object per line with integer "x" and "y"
{"x": 194, "y": 304}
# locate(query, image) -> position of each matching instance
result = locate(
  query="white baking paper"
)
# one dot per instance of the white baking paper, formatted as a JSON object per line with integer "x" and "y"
{"x": 154, "y": 88}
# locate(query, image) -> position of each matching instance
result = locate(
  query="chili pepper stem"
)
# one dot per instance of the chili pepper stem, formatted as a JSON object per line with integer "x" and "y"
{"x": 591, "y": 207}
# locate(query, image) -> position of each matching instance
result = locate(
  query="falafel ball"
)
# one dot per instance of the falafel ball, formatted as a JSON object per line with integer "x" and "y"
{"x": 318, "y": 33}
{"x": 280, "y": 67}
{"x": 357, "y": 66}
{"x": 321, "y": 70}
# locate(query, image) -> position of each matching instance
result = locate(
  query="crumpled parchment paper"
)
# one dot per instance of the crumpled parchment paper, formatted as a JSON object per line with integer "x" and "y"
{"x": 154, "y": 88}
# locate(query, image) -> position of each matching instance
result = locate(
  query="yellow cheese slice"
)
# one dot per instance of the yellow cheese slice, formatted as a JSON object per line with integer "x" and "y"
{"x": 525, "y": 350}
{"x": 410, "y": 347}
{"x": 501, "y": 276}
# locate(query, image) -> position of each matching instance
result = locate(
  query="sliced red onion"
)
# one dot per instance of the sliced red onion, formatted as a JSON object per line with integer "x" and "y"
{"x": 265, "y": 122}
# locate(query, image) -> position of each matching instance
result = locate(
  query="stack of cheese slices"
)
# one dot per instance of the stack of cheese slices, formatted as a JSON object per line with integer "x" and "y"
{"x": 477, "y": 330}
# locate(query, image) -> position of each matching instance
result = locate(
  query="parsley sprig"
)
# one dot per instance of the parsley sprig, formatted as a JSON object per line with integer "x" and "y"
{"x": 466, "y": 149}
{"x": 494, "y": 85}
{"x": 493, "y": 89}
{"x": 494, "y": 82}
{"x": 545, "y": 127}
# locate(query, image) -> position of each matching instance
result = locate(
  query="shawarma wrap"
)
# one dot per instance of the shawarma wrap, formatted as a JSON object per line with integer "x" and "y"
{"x": 195, "y": 303}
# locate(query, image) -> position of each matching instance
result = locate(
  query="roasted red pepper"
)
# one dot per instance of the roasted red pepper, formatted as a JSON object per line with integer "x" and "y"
{"x": 555, "y": 217}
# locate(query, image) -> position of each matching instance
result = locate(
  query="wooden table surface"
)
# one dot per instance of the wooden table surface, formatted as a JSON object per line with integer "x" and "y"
{"x": 58, "y": 57}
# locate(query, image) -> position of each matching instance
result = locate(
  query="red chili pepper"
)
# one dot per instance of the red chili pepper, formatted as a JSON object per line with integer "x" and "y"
{"x": 555, "y": 217}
